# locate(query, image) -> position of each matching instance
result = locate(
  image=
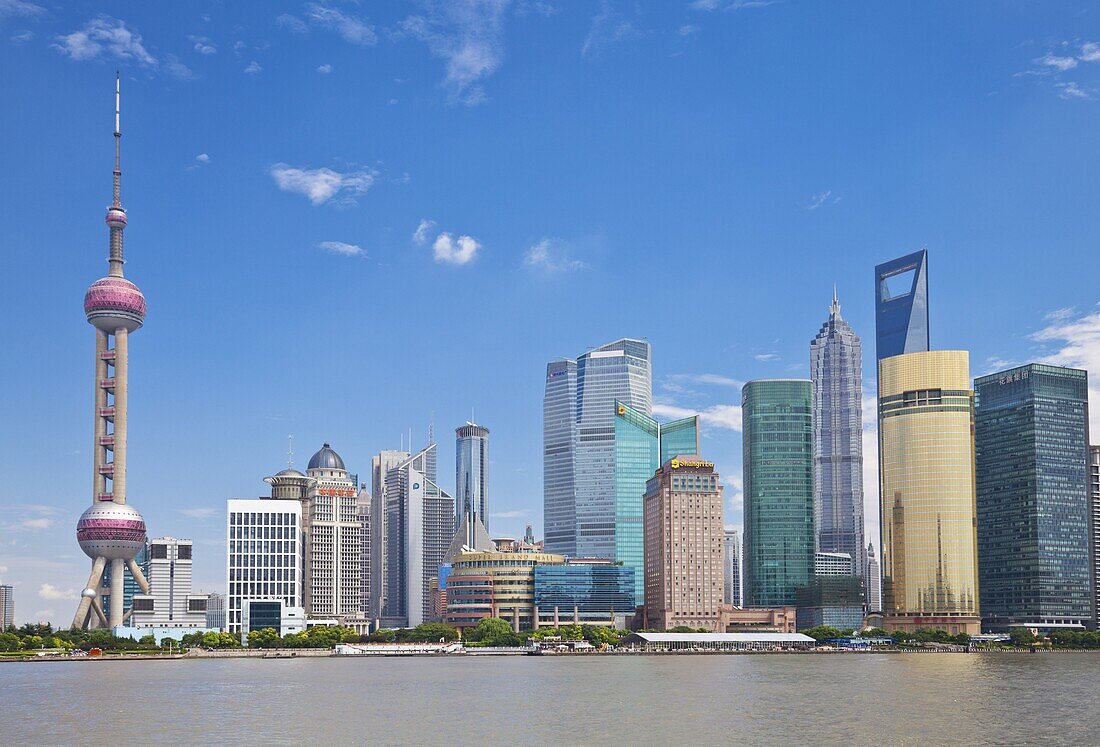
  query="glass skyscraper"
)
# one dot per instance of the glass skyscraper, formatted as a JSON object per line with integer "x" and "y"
{"x": 1031, "y": 430}
{"x": 597, "y": 592}
{"x": 926, "y": 489}
{"x": 901, "y": 305}
{"x": 836, "y": 370}
{"x": 641, "y": 446}
{"x": 579, "y": 409}
{"x": 777, "y": 434}
{"x": 471, "y": 473}
{"x": 1094, "y": 481}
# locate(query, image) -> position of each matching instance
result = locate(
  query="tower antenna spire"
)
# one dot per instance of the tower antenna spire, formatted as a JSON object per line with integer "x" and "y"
{"x": 835, "y": 308}
{"x": 116, "y": 214}
{"x": 290, "y": 452}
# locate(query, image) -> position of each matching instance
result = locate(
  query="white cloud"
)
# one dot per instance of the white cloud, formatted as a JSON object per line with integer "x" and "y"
{"x": 607, "y": 28}
{"x": 202, "y": 158}
{"x": 177, "y": 69}
{"x": 766, "y": 357}
{"x": 712, "y": 5}
{"x": 1090, "y": 52}
{"x": 49, "y": 591}
{"x": 509, "y": 514}
{"x": 706, "y": 378}
{"x": 40, "y": 523}
{"x": 22, "y": 36}
{"x": 199, "y": 513}
{"x": 324, "y": 69}
{"x": 350, "y": 28}
{"x": 253, "y": 68}
{"x": 1074, "y": 341}
{"x": 203, "y": 45}
{"x": 549, "y": 256}
{"x": 819, "y": 199}
{"x": 293, "y": 24}
{"x": 420, "y": 235}
{"x": 727, "y": 417}
{"x": 321, "y": 185}
{"x": 19, "y": 9}
{"x": 339, "y": 247}
{"x": 460, "y": 252}
{"x": 104, "y": 37}
{"x": 1071, "y": 90}
{"x": 1058, "y": 63}
{"x": 468, "y": 35}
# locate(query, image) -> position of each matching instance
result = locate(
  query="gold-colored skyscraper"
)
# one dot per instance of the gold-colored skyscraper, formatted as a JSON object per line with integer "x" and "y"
{"x": 927, "y": 492}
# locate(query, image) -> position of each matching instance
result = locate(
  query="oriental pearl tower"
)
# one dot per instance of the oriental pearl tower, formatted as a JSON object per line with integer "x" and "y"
{"x": 111, "y": 531}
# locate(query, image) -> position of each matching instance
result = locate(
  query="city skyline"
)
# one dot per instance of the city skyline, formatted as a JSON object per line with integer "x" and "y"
{"x": 240, "y": 264}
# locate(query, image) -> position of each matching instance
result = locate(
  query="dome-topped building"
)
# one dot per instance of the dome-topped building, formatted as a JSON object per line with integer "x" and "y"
{"x": 326, "y": 458}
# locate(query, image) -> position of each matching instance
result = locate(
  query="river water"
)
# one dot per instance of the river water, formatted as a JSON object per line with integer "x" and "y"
{"x": 846, "y": 699}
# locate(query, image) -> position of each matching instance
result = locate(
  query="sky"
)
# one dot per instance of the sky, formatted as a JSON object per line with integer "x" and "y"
{"x": 352, "y": 221}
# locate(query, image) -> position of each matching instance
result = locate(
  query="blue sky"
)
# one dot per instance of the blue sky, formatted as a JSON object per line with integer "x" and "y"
{"x": 351, "y": 218}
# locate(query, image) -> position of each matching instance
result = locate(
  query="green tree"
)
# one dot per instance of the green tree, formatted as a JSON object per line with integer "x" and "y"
{"x": 822, "y": 632}
{"x": 488, "y": 629}
{"x": 9, "y": 642}
{"x": 1021, "y": 637}
{"x": 874, "y": 633}
{"x": 266, "y": 638}
{"x": 147, "y": 641}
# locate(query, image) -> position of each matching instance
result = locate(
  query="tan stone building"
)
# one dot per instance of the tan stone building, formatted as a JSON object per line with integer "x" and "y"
{"x": 684, "y": 556}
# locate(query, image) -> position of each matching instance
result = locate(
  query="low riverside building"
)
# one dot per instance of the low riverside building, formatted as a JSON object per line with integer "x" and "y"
{"x": 588, "y": 592}
{"x": 169, "y": 602}
{"x": 831, "y": 600}
{"x": 758, "y": 619}
{"x": 494, "y": 584}
{"x": 717, "y": 642}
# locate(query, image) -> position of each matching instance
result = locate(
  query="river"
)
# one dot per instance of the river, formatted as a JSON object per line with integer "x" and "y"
{"x": 842, "y": 699}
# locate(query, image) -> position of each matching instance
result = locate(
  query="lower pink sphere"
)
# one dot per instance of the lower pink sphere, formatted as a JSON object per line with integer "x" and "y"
{"x": 111, "y": 530}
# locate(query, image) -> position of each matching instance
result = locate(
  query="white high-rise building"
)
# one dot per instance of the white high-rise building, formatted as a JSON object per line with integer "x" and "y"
{"x": 381, "y": 464}
{"x": 732, "y": 575}
{"x": 170, "y": 602}
{"x": 472, "y": 473}
{"x": 872, "y": 579}
{"x": 333, "y": 541}
{"x": 420, "y": 524}
{"x": 264, "y": 555}
{"x": 833, "y": 564}
{"x": 215, "y": 611}
{"x": 7, "y": 607}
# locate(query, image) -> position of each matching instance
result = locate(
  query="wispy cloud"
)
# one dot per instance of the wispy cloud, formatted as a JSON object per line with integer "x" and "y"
{"x": 822, "y": 198}
{"x": 104, "y": 37}
{"x": 712, "y": 5}
{"x": 203, "y": 45}
{"x": 293, "y": 24}
{"x": 177, "y": 69}
{"x": 468, "y": 35}
{"x": 518, "y": 514}
{"x": 706, "y": 378}
{"x": 1058, "y": 63}
{"x": 321, "y": 185}
{"x": 421, "y": 234}
{"x": 324, "y": 69}
{"x": 727, "y": 417}
{"x": 20, "y": 9}
{"x": 550, "y": 256}
{"x": 766, "y": 357}
{"x": 455, "y": 252}
{"x": 49, "y": 591}
{"x": 351, "y": 29}
{"x": 341, "y": 248}
{"x": 202, "y": 158}
{"x": 1056, "y": 66}
{"x": 1071, "y": 91}
{"x": 1073, "y": 340}
{"x": 199, "y": 513}
{"x": 253, "y": 68}
{"x": 608, "y": 27}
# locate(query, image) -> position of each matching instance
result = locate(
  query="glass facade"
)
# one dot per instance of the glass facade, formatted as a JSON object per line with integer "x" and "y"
{"x": 559, "y": 436}
{"x": 830, "y": 600}
{"x": 640, "y": 442}
{"x": 263, "y": 615}
{"x": 926, "y": 473}
{"x": 1031, "y": 431}
{"x": 472, "y": 473}
{"x": 598, "y": 592}
{"x": 731, "y": 592}
{"x": 1094, "y": 480}
{"x": 836, "y": 370}
{"x": 777, "y": 437}
{"x": 901, "y": 305}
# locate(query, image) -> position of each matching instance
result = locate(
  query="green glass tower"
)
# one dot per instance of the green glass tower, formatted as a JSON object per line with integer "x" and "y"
{"x": 1032, "y": 439}
{"x": 642, "y": 445}
{"x": 777, "y": 433}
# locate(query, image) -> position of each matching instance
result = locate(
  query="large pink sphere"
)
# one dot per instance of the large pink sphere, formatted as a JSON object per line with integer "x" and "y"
{"x": 111, "y": 303}
{"x": 115, "y": 531}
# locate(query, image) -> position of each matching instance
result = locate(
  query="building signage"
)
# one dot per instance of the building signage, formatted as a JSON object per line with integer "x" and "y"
{"x": 1009, "y": 378}
{"x": 336, "y": 491}
{"x": 678, "y": 463}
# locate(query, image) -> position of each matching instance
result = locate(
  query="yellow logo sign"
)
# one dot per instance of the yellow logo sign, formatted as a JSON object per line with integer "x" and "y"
{"x": 678, "y": 463}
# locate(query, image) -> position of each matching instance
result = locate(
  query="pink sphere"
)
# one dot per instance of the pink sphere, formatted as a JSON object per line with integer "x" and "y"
{"x": 116, "y": 217}
{"x": 111, "y": 530}
{"x": 113, "y": 303}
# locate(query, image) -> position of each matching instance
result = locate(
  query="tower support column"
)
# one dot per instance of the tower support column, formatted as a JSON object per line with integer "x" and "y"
{"x": 122, "y": 372}
{"x": 86, "y": 601}
{"x": 118, "y": 581}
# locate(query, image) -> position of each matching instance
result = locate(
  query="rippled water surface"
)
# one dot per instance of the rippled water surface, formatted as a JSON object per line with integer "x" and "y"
{"x": 686, "y": 700}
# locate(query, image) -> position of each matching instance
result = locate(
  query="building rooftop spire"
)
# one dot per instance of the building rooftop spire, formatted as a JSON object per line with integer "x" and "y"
{"x": 834, "y": 309}
{"x": 116, "y": 214}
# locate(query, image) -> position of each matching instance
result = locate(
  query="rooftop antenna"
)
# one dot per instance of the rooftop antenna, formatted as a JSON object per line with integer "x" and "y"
{"x": 290, "y": 453}
{"x": 431, "y": 429}
{"x": 835, "y": 308}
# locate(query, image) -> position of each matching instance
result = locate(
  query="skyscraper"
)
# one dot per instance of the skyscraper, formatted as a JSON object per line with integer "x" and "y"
{"x": 872, "y": 582}
{"x": 1094, "y": 478}
{"x": 1034, "y": 503}
{"x": 684, "y": 568}
{"x": 926, "y": 476}
{"x": 641, "y": 446}
{"x": 777, "y": 437}
{"x": 836, "y": 370}
{"x": 7, "y": 607}
{"x": 333, "y": 544}
{"x": 579, "y": 410}
{"x": 265, "y": 556}
{"x": 420, "y": 525}
{"x": 170, "y": 602}
{"x": 381, "y": 464}
{"x": 732, "y": 576}
{"x": 111, "y": 531}
{"x": 472, "y": 473}
{"x": 901, "y": 305}
{"x": 559, "y": 436}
